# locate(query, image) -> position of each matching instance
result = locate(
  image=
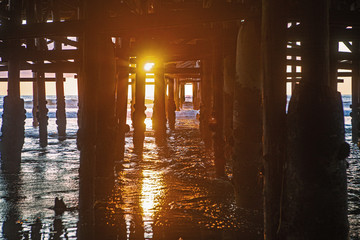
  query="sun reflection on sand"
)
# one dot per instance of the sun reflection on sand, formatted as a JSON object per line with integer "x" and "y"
{"x": 151, "y": 190}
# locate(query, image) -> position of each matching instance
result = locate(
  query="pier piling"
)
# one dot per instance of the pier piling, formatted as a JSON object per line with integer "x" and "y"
{"x": 247, "y": 152}
{"x": 315, "y": 203}
{"x": 218, "y": 110}
{"x": 13, "y": 117}
{"x": 206, "y": 102}
{"x": 139, "y": 113}
{"x": 122, "y": 82}
{"x": 171, "y": 106}
{"x": 159, "y": 113}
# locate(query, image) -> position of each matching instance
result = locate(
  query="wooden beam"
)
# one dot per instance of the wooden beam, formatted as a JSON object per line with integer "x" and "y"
{"x": 49, "y": 55}
{"x": 67, "y": 28}
{"x": 31, "y": 79}
{"x": 66, "y": 41}
{"x": 344, "y": 18}
{"x": 65, "y": 67}
{"x": 134, "y": 25}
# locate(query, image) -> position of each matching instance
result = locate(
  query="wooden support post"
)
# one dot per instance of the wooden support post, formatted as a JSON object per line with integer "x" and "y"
{"x": 355, "y": 94}
{"x": 177, "y": 94}
{"x": 122, "y": 69}
{"x": 31, "y": 19}
{"x": 247, "y": 152}
{"x": 273, "y": 50}
{"x": 195, "y": 96}
{"x": 42, "y": 111}
{"x": 97, "y": 133}
{"x": 334, "y": 49}
{"x": 35, "y": 104}
{"x": 87, "y": 133}
{"x": 132, "y": 103}
{"x": 139, "y": 113}
{"x": 182, "y": 94}
{"x": 60, "y": 107}
{"x": 171, "y": 107}
{"x": 229, "y": 85}
{"x": 218, "y": 112}
{"x": 12, "y": 129}
{"x": 159, "y": 113}
{"x": 206, "y": 102}
{"x": 315, "y": 191}
{"x": 106, "y": 120}
{"x": 60, "y": 97}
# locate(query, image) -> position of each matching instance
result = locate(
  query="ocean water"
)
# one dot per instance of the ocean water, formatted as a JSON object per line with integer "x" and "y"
{"x": 167, "y": 193}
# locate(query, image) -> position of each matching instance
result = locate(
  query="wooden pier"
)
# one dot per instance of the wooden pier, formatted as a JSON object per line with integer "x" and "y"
{"x": 238, "y": 56}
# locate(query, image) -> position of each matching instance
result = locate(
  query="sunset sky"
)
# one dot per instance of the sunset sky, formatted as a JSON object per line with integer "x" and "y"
{"x": 70, "y": 84}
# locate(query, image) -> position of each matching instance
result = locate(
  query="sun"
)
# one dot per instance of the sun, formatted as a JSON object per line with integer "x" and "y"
{"x": 148, "y": 66}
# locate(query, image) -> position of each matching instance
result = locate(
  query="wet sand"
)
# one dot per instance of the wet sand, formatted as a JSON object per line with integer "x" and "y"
{"x": 169, "y": 192}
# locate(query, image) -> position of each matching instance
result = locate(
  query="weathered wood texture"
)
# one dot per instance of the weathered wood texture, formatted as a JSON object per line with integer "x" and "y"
{"x": 171, "y": 106}
{"x": 247, "y": 158}
{"x": 139, "y": 113}
{"x": 122, "y": 83}
{"x": 159, "y": 114}
{"x": 273, "y": 50}
{"x": 218, "y": 110}
{"x": 60, "y": 95}
{"x": 96, "y": 125}
{"x": 177, "y": 93}
{"x": 206, "y": 102}
{"x": 13, "y": 116}
{"x": 196, "y": 96}
{"x": 355, "y": 93}
{"x": 42, "y": 111}
{"x": 315, "y": 196}
{"x": 228, "y": 103}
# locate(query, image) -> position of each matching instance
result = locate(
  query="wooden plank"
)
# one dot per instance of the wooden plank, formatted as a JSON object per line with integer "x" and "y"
{"x": 31, "y": 79}
{"x": 49, "y": 55}
{"x": 65, "y": 67}
{"x": 67, "y": 28}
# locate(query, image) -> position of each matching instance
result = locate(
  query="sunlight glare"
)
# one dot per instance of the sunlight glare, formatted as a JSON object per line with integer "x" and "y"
{"x": 148, "y": 66}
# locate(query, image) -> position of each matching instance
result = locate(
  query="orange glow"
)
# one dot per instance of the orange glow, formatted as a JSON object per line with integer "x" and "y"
{"x": 151, "y": 190}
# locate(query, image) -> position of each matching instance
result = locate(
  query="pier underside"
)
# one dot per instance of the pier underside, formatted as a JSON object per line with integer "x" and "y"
{"x": 237, "y": 162}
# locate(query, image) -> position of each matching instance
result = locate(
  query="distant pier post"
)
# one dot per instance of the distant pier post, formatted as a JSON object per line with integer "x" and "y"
{"x": 13, "y": 114}
{"x": 42, "y": 111}
{"x": 139, "y": 113}
{"x": 122, "y": 82}
{"x": 247, "y": 152}
{"x": 355, "y": 118}
{"x": 35, "y": 103}
{"x": 195, "y": 96}
{"x": 177, "y": 93}
{"x": 60, "y": 96}
{"x": 60, "y": 107}
{"x": 132, "y": 102}
{"x": 182, "y": 94}
{"x": 206, "y": 102}
{"x": 315, "y": 204}
{"x": 171, "y": 107}
{"x": 159, "y": 113}
{"x": 31, "y": 19}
